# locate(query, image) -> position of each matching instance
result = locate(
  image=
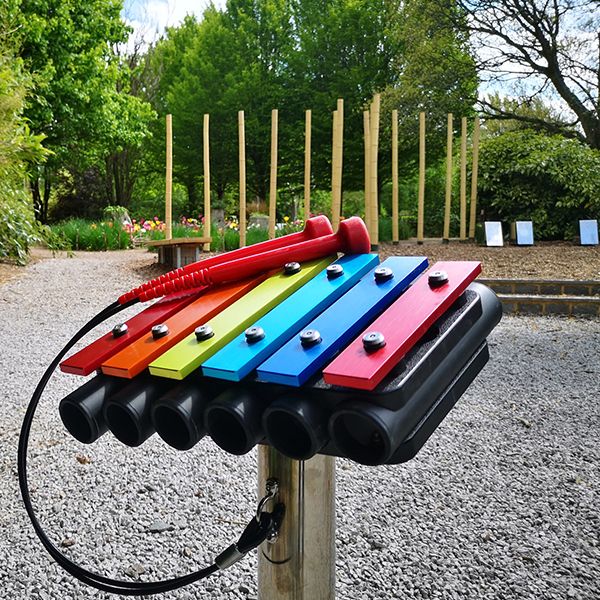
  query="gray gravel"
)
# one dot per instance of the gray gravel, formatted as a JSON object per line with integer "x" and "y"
{"x": 503, "y": 502}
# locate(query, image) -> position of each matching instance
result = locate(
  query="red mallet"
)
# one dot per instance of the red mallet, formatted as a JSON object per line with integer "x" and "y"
{"x": 314, "y": 227}
{"x": 352, "y": 238}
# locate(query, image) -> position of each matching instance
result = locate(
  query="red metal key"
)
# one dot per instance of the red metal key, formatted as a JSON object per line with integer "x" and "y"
{"x": 378, "y": 349}
{"x": 314, "y": 227}
{"x": 90, "y": 358}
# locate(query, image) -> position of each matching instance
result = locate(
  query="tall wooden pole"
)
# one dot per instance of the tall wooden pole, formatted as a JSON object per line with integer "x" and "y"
{"x": 395, "y": 232}
{"x": 463, "y": 179}
{"x": 374, "y": 130}
{"x": 242, "y": 156}
{"x": 334, "y": 221}
{"x": 474, "y": 173}
{"x": 273, "y": 179}
{"x": 448, "y": 205}
{"x": 307, "y": 149}
{"x": 206, "y": 153}
{"x": 169, "y": 180}
{"x": 421, "y": 196}
{"x": 338, "y": 134}
{"x": 367, "y": 136}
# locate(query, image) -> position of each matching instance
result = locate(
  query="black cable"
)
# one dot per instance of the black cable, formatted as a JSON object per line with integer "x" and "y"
{"x": 88, "y": 577}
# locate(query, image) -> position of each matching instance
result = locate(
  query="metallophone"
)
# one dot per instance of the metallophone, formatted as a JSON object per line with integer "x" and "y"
{"x": 290, "y": 347}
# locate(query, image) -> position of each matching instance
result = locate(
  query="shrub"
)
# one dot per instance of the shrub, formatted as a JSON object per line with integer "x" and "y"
{"x": 18, "y": 229}
{"x": 550, "y": 180}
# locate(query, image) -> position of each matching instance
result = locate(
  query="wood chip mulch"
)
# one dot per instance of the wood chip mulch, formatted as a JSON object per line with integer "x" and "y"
{"x": 543, "y": 261}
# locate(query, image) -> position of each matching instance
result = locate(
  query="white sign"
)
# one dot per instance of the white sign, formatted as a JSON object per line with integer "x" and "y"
{"x": 493, "y": 233}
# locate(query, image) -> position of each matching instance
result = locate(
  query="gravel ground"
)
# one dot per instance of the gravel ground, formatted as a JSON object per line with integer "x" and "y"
{"x": 502, "y": 503}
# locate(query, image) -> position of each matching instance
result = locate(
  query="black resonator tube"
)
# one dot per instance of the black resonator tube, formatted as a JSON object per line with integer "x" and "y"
{"x": 178, "y": 415}
{"x": 295, "y": 426}
{"x": 233, "y": 420}
{"x": 370, "y": 434}
{"x": 127, "y": 413}
{"x": 81, "y": 411}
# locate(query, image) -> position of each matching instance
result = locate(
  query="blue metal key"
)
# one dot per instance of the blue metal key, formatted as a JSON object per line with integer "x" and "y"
{"x": 338, "y": 325}
{"x": 247, "y": 351}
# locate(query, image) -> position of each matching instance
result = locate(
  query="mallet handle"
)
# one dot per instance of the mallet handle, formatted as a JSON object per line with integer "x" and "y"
{"x": 351, "y": 238}
{"x": 315, "y": 227}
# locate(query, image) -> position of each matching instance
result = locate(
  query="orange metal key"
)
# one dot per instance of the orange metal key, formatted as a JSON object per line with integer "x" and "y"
{"x": 133, "y": 359}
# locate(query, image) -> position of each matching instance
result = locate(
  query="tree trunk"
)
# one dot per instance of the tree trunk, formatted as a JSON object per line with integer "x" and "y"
{"x": 46, "y": 198}
{"x": 37, "y": 199}
{"x": 120, "y": 178}
{"x": 41, "y": 197}
{"x": 108, "y": 181}
{"x": 193, "y": 201}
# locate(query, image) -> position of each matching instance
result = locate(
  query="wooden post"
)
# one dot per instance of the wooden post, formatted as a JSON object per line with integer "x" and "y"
{"x": 367, "y": 136}
{"x": 307, "y": 143}
{"x": 374, "y": 133}
{"x": 338, "y": 141}
{"x": 474, "y": 173}
{"x": 448, "y": 205}
{"x": 273, "y": 180}
{"x": 206, "y": 152}
{"x": 334, "y": 221}
{"x": 336, "y": 164}
{"x": 421, "y": 196}
{"x": 169, "y": 181}
{"x": 242, "y": 156}
{"x": 463, "y": 179}
{"x": 395, "y": 232}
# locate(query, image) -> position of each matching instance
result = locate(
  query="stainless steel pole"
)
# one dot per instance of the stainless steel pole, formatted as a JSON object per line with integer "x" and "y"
{"x": 300, "y": 565}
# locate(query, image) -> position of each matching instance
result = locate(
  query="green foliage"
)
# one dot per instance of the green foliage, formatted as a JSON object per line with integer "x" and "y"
{"x": 149, "y": 197}
{"x": 550, "y": 180}
{"x": 85, "y": 235}
{"x": 66, "y": 45}
{"x": 517, "y": 114}
{"x": 17, "y": 146}
{"x": 79, "y": 194}
{"x": 437, "y": 75}
{"x": 116, "y": 214}
{"x": 256, "y": 55}
{"x": 17, "y": 226}
{"x": 81, "y": 103}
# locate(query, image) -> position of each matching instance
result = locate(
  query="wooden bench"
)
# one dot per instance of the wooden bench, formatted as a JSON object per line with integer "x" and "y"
{"x": 178, "y": 252}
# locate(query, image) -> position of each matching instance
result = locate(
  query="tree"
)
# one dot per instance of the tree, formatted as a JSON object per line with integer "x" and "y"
{"x": 258, "y": 55}
{"x": 437, "y": 74}
{"x": 18, "y": 146}
{"x": 165, "y": 60}
{"x": 293, "y": 55}
{"x": 346, "y": 49}
{"x": 68, "y": 47}
{"x": 544, "y": 49}
{"x": 128, "y": 115}
{"x": 551, "y": 180}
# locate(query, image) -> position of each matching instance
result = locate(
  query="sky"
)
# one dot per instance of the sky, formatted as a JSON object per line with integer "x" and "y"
{"x": 150, "y": 17}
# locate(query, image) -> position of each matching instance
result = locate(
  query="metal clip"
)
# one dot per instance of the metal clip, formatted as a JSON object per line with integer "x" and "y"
{"x": 271, "y": 490}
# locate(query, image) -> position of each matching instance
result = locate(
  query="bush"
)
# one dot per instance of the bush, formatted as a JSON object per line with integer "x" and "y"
{"x": 18, "y": 229}
{"x": 549, "y": 180}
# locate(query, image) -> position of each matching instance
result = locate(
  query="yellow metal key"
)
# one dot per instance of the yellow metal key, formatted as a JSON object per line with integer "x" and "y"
{"x": 192, "y": 351}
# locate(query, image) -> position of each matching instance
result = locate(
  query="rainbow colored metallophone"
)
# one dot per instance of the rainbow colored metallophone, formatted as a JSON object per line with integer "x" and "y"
{"x": 347, "y": 357}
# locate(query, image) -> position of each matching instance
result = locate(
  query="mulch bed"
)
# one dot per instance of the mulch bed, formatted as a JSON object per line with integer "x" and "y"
{"x": 545, "y": 260}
